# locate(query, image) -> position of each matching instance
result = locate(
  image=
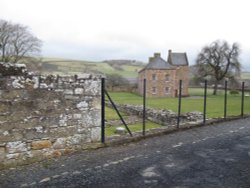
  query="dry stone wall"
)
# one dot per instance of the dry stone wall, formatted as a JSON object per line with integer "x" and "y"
{"x": 47, "y": 116}
{"x": 162, "y": 117}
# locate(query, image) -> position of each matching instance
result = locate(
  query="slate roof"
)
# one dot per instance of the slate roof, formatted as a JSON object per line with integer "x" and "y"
{"x": 158, "y": 63}
{"x": 178, "y": 59}
{"x": 174, "y": 59}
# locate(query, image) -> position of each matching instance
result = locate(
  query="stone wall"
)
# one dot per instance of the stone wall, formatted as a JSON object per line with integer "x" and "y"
{"x": 182, "y": 73}
{"x": 162, "y": 117}
{"x": 49, "y": 116}
{"x": 160, "y": 84}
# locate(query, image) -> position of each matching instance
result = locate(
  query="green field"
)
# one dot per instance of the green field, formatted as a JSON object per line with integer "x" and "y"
{"x": 71, "y": 67}
{"x": 215, "y": 104}
{"x": 245, "y": 75}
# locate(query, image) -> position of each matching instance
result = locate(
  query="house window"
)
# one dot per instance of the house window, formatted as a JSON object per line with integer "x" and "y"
{"x": 154, "y": 77}
{"x": 167, "y": 77}
{"x": 167, "y": 90}
{"x": 182, "y": 86}
{"x": 153, "y": 90}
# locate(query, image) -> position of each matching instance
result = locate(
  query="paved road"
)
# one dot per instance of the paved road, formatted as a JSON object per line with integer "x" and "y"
{"x": 211, "y": 156}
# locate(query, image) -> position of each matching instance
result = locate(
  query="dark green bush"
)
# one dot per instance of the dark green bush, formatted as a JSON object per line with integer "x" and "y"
{"x": 234, "y": 92}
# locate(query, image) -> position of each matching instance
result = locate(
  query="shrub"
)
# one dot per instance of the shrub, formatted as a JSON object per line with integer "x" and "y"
{"x": 234, "y": 92}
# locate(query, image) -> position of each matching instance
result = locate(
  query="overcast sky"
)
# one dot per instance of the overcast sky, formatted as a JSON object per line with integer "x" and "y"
{"x": 131, "y": 29}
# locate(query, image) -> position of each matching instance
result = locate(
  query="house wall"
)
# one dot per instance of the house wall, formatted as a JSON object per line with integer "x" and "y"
{"x": 39, "y": 120}
{"x": 160, "y": 83}
{"x": 182, "y": 73}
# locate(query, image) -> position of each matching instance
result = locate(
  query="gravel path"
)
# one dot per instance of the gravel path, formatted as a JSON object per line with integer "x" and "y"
{"x": 210, "y": 156}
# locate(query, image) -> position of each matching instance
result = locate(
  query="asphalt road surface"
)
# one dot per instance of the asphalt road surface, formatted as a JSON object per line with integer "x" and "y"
{"x": 210, "y": 156}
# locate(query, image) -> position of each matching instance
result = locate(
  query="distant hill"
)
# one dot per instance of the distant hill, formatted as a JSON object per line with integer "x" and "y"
{"x": 245, "y": 75}
{"x": 125, "y": 68}
{"x": 125, "y": 62}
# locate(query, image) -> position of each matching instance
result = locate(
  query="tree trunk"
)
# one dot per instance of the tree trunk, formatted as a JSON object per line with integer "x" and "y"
{"x": 215, "y": 87}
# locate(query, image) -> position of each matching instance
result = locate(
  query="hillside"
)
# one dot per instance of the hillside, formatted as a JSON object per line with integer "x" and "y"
{"x": 125, "y": 68}
{"x": 245, "y": 75}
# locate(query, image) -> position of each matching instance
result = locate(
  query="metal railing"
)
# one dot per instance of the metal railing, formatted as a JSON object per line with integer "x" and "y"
{"x": 179, "y": 108}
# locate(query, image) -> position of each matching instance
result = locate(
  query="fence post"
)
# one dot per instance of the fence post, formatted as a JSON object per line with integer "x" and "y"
{"x": 103, "y": 110}
{"x": 225, "y": 100}
{"x": 144, "y": 108}
{"x": 179, "y": 104}
{"x": 242, "y": 98}
{"x": 205, "y": 103}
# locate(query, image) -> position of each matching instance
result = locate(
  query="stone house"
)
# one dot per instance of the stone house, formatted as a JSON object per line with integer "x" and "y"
{"x": 163, "y": 76}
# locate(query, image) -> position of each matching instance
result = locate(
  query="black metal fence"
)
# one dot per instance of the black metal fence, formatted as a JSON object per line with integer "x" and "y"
{"x": 179, "y": 109}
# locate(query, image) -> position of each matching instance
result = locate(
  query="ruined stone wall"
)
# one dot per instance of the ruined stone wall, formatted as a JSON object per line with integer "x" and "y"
{"x": 44, "y": 117}
{"x": 162, "y": 117}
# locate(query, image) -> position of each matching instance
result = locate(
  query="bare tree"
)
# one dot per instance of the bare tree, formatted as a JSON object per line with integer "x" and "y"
{"x": 5, "y": 35}
{"x": 218, "y": 61}
{"x": 116, "y": 80}
{"x": 17, "y": 42}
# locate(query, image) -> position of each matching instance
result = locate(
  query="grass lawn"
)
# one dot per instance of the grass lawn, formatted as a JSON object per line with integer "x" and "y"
{"x": 215, "y": 104}
{"x": 110, "y": 114}
{"x": 109, "y": 131}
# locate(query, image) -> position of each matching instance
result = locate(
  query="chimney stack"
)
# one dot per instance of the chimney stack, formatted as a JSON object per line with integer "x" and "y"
{"x": 150, "y": 59}
{"x": 169, "y": 56}
{"x": 157, "y": 54}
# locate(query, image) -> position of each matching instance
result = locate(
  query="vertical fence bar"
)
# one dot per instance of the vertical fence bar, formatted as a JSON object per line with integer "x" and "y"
{"x": 39, "y": 81}
{"x": 242, "y": 98}
{"x": 225, "y": 101}
{"x": 205, "y": 103}
{"x": 144, "y": 108}
{"x": 179, "y": 104}
{"x": 103, "y": 110}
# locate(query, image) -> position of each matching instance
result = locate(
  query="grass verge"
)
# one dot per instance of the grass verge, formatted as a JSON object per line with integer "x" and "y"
{"x": 110, "y": 131}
